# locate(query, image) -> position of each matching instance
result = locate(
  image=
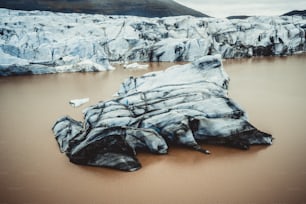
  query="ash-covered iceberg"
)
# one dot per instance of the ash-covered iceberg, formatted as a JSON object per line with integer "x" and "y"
{"x": 39, "y": 42}
{"x": 184, "y": 105}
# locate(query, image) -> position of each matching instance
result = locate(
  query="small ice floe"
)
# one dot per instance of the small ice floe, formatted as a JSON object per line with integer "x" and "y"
{"x": 135, "y": 66}
{"x": 78, "y": 102}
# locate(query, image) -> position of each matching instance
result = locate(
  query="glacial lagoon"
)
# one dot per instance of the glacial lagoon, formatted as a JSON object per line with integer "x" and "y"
{"x": 271, "y": 90}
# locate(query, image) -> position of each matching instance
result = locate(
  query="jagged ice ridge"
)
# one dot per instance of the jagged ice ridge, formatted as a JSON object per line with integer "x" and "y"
{"x": 38, "y": 42}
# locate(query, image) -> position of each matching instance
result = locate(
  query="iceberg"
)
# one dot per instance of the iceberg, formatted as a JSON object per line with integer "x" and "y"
{"x": 185, "y": 105}
{"x": 38, "y": 42}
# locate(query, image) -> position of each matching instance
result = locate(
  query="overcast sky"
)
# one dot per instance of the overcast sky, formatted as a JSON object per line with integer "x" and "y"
{"x": 224, "y": 8}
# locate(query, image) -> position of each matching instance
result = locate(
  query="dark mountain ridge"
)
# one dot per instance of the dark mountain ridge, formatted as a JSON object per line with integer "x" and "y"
{"x": 291, "y": 13}
{"x": 146, "y": 8}
{"x": 296, "y": 12}
{"x": 238, "y": 17}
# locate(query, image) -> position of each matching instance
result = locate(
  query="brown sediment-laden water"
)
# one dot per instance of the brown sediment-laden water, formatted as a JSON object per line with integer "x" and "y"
{"x": 271, "y": 90}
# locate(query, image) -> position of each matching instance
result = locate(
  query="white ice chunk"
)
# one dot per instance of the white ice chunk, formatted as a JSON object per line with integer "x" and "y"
{"x": 136, "y": 66}
{"x": 78, "y": 102}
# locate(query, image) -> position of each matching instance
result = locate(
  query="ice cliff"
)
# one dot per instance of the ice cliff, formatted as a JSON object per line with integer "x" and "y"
{"x": 38, "y": 42}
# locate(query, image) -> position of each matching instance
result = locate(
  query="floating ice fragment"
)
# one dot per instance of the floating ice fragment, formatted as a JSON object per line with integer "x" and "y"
{"x": 135, "y": 66}
{"x": 78, "y": 102}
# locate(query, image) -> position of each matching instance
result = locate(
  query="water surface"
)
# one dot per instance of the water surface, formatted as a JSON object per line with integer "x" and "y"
{"x": 271, "y": 90}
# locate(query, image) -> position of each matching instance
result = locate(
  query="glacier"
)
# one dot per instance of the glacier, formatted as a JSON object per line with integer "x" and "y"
{"x": 184, "y": 105}
{"x": 39, "y": 42}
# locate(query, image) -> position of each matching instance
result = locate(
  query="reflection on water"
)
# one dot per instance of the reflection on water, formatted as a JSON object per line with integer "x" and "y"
{"x": 271, "y": 90}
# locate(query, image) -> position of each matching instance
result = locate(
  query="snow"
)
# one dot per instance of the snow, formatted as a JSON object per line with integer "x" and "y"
{"x": 61, "y": 42}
